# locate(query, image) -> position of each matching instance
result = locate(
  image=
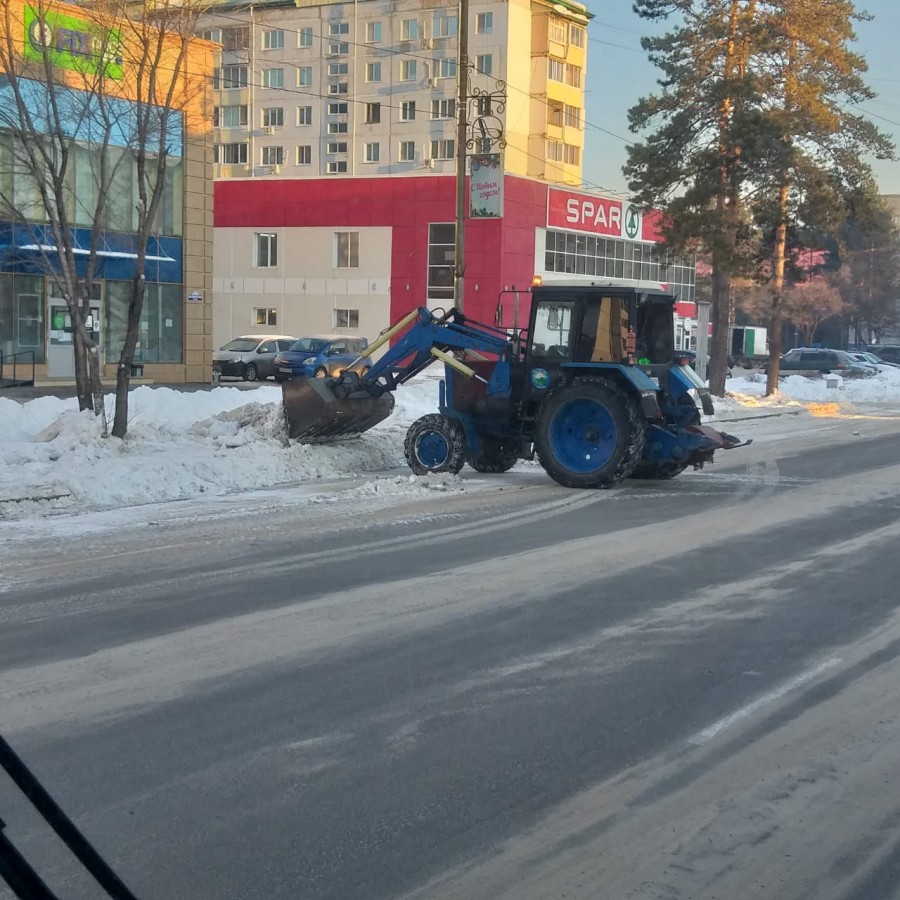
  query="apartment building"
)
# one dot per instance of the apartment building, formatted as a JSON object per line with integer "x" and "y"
{"x": 365, "y": 89}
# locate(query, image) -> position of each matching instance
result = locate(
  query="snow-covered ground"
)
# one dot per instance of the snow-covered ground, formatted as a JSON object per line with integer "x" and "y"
{"x": 187, "y": 445}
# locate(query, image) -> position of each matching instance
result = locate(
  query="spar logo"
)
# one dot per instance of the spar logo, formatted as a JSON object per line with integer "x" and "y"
{"x": 631, "y": 222}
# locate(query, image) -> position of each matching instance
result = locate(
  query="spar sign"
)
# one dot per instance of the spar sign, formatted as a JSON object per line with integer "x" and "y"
{"x": 596, "y": 215}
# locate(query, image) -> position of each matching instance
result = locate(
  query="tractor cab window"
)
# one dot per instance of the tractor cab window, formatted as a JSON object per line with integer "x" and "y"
{"x": 552, "y": 335}
{"x": 655, "y": 332}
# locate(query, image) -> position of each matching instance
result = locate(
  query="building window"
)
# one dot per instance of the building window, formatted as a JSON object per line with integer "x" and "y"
{"x": 236, "y": 38}
{"x": 304, "y": 76}
{"x": 272, "y": 156}
{"x": 265, "y": 315}
{"x": 233, "y": 77}
{"x": 484, "y": 64}
{"x": 342, "y": 48}
{"x": 554, "y": 151}
{"x": 408, "y": 70}
{"x": 273, "y": 39}
{"x": 304, "y": 155}
{"x": 409, "y": 30}
{"x": 338, "y": 69}
{"x": 484, "y": 23}
{"x": 573, "y": 117}
{"x": 446, "y": 68}
{"x": 373, "y": 113}
{"x": 336, "y": 28}
{"x": 273, "y": 78}
{"x": 444, "y": 27}
{"x": 339, "y": 87}
{"x": 407, "y": 151}
{"x": 230, "y": 116}
{"x": 346, "y": 249}
{"x": 373, "y": 71}
{"x": 214, "y": 35}
{"x": 483, "y": 106}
{"x": 443, "y": 109}
{"x": 556, "y": 70}
{"x": 557, "y": 151}
{"x": 336, "y": 168}
{"x": 573, "y": 76}
{"x": 273, "y": 116}
{"x": 336, "y": 147}
{"x": 555, "y": 113}
{"x": 337, "y": 109}
{"x": 576, "y": 36}
{"x": 441, "y": 261}
{"x": 337, "y": 127}
{"x": 231, "y": 154}
{"x": 305, "y": 37}
{"x": 408, "y": 111}
{"x": 304, "y": 115}
{"x": 443, "y": 149}
{"x": 266, "y": 246}
{"x": 373, "y": 32}
{"x": 571, "y": 154}
{"x": 557, "y": 31}
{"x": 346, "y": 318}
{"x": 373, "y": 153}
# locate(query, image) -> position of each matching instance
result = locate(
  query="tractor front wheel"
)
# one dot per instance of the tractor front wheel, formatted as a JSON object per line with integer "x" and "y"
{"x": 494, "y": 456}
{"x": 435, "y": 444}
{"x": 589, "y": 434}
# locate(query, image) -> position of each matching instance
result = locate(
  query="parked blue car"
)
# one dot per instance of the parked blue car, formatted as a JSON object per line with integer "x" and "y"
{"x": 319, "y": 356}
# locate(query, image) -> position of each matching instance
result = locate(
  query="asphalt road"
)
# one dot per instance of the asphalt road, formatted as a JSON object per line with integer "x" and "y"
{"x": 684, "y": 689}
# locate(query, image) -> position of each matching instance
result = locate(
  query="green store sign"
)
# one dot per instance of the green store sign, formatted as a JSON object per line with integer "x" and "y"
{"x": 72, "y": 43}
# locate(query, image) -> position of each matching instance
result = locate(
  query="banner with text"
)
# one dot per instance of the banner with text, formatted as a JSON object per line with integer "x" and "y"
{"x": 486, "y": 186}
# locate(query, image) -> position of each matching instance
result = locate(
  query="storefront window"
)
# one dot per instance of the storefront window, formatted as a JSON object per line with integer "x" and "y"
{"x": 22, "y": 317}
{"x": 161, "y": 328}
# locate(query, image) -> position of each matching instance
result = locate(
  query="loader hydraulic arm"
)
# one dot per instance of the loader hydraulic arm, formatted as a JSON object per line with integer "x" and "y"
{"x": 431, "y": 338}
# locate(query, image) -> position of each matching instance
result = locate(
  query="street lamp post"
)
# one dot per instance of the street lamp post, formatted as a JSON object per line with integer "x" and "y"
{"x": 462, "y": 129}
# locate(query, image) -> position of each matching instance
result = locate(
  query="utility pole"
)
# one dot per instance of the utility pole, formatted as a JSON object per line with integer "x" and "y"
{"x": 462, "y": 136}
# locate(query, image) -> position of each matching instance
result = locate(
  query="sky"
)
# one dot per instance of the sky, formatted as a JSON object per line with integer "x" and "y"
{"x": 224, "y": 450}
{"x": 619, "y": 74}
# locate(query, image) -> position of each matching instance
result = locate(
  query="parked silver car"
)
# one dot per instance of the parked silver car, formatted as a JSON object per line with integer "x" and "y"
{"x": 251, "y": 356}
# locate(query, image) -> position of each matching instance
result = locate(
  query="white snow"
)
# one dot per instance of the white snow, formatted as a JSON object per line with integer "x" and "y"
{"x": 211, "y": 443}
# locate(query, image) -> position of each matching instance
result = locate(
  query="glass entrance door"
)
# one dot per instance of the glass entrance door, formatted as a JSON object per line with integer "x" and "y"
{"x": 61, "y": 349}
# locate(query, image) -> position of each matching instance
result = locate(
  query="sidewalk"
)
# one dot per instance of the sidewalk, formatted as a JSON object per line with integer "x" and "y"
{"x": 65, "y": 391}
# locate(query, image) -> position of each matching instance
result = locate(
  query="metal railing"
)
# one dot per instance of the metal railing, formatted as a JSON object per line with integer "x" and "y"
{"x": 15, "y": 379}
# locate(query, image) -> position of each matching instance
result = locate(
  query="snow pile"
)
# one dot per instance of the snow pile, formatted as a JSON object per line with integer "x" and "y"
{"x": 881, "y": 388}
{"x": 184, "y": 444}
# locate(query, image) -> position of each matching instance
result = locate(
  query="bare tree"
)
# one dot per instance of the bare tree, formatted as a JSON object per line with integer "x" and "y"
{"x": 107, "y": 106}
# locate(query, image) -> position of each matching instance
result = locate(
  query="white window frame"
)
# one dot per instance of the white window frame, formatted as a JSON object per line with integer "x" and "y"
{"x": 444, "y": 26}
{"x": 273, "y": 117}
{"x": 337, "y": 108}
{"x": 332, "y": 147}
{"x": 336, "y": 167}
{"x": 271, "y": 156}
{"x": 265, "y": 250}
{"x": 443, "y": 148}
{"x": 484, "y": 63}
{"x": 445, "y": 68}
{"x": 345, "y": 318}
{"x": 373, "y": 72}
{"x": 556, "y": 70}
{"x": 304, "y": 38}
{"x": 242, "y": 153}
{"x": 408, "y": 111}
{"x": 484, "y": 23}
{"x": 372, "y": 114}
{"x": 408, "y": 70}
{"x": 443, "y": 109}
{"x": 407, "y": 151}
{"x": 338, "y": 28}
{"x": 304, "y": 76}
{"x": 337, "y": 128}
{"x": 304, "y": 116}
{"x": 373, "y": 32}
{"x": 338, "y": 88}
{"x": 273, "y": 75}
{"x": 409, "y": 29}
{"x": 273, "y": 39}
{"x": 304, "y": 150}
{"x": 372, "y": 152}
{"x": 265, "y": 315}
{"x": 338, "y": 68}
{"x": 346, "y": 249}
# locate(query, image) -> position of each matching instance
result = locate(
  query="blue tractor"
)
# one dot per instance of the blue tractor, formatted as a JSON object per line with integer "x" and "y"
{"x": 592, "y": 388}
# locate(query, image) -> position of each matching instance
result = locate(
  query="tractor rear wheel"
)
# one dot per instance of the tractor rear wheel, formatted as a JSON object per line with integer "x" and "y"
{"x": 494, "y": 456}
{"x": 435, "y": 444}
{"x": 589, "y": 434}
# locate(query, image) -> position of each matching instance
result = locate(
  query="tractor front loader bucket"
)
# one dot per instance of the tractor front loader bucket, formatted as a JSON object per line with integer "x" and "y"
{"x": 314, "y": 412}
